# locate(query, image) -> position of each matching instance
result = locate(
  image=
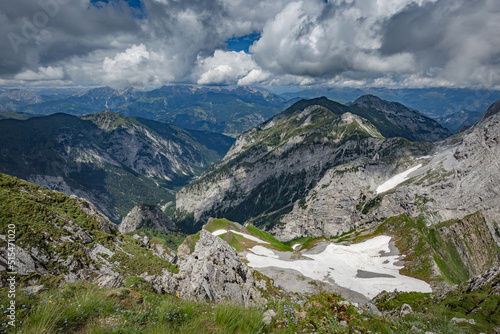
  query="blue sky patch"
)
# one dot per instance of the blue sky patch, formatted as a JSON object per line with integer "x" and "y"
{"x": 241, "y": 43}
{"x": 131, "y": 3}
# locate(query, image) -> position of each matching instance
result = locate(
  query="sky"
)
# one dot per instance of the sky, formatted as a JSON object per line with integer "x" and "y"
{"x": 340, "y": 43}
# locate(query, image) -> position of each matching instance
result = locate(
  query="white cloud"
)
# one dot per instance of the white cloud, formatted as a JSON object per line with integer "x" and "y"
{"x": 228, "y": 68}
{"x": 315, "y": 39}
{"x": 256, "y": 76}
{"x": 43, "y": 74}
{"x": 136, "y": 66}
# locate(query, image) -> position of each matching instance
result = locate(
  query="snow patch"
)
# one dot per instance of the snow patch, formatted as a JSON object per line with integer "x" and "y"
{"x": 396, "y": 180}
{"x": 360, "y": 267}
{"x": 244, "y": 235}
{"x": 263, "y": 251}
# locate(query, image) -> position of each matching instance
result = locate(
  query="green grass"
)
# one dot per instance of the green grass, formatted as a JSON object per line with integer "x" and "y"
{"x": 436, "y": 312}
{"x": 239, "y": 242}
{"x": 39, "y": 215}
{"x": 220, "y": 224}
{"x": 171, "y": 239}
{"x": 85, "y": 308}
{"x": 425, "y": 245}
{"x": 269, "y": 238}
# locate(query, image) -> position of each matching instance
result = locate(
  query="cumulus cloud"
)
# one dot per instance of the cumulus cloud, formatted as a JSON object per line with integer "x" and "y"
{"x": 455, "y": 41}
{"x": 43, "y": 74}
{"x": 49, "y": 32}
{"x": 136, "y": 66}
{"x": 229, "y": 67}
{"x": 328, "y": 39}
{"x": 410, "y": 43}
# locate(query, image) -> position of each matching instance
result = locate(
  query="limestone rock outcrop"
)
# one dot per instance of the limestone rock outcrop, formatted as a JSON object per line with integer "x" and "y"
{"x": 212, "y": 272}
{"x": 146, "y": 216}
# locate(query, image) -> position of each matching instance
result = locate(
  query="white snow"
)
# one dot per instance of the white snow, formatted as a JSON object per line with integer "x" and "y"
{"x": 294, "y": 247}
{"x": 219, "y": 232}
{"x": 246, "y": 236}
{"x": 260, "y": 250}
{"x": 341, "y": 264}
{"x": 396, "y": 180}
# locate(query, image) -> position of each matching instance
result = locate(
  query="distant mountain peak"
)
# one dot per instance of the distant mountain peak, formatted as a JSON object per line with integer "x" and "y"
{"x": 372, "y": 101}
{"x": 22, "y": 95}
{"x": 367, "y": 98}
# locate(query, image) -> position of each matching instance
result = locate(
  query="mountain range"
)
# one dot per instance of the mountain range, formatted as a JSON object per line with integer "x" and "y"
{"x": 441, "y": 104}
{"x": 216, "y": 109}
{"x": 235, "y": 110}
{"x": 114, "y": 161}
{"x": 272, "y": 168}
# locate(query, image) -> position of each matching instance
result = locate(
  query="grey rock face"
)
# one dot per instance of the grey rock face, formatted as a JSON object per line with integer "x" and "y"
{"x": 491, "y": 277}
{"x": 24, "y": 263}
{"x": 267, "y": 172}
{"x": 212, "y": 272}
{"x": 330, "y": 190}
{"x": 146, "y": 216}
{"x": 460, "y": 320}
{"x": 163, "y": 252}
{"x": 460, "y": 178}
{"x": 110, "y": 281}
{"x": 85, "y": 151}
{"x": 405, "y": 310}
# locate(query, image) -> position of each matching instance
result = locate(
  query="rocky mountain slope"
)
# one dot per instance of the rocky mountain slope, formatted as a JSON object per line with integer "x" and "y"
{"x": 275, "y": 165}
{"x": 441, "y": 104}
{"x": 460, "y": 119}
{"x": 327, "y": 185}
{"x": 146, "y": 216}
{"x": 410, "y": 124}
{"x": 113, "y": 161}
{"x": 17, "y": 99}
{"x": 449, "y": 183}
{"x": 59, "y": 236}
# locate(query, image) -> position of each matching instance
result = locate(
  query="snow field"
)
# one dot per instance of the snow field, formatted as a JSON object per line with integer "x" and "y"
{"x": 341, "y": 264}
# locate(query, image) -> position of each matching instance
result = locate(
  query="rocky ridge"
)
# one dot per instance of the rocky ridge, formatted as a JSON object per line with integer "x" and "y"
{"x": 416, "y": 126}
{"x": 146, "y": 216}
{"x": 330, "y": 185}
